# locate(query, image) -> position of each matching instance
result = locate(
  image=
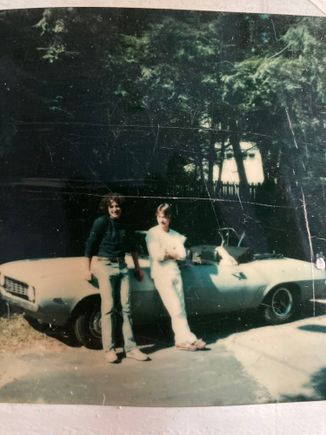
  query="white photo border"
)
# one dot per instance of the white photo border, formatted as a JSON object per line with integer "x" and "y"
{"x": 294, "y": 418}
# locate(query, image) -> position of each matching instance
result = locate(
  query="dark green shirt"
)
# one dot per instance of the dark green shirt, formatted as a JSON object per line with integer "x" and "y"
{"x": 109, "y": 238}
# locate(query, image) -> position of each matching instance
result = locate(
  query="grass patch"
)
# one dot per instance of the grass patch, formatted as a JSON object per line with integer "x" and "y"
{"x": 16, "y": 333}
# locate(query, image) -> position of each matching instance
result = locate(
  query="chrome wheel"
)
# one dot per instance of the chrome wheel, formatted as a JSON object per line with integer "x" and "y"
{"x": 280, "y": 304}
{"x": 95, "y": 324}
{"x": 87, "y": 327}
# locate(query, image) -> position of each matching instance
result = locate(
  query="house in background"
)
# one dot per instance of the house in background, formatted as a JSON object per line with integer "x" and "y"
{"x": 252, "y": 163}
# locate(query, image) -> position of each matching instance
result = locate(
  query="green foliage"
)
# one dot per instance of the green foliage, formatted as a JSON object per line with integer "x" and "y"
{"x": 175, "y": 83}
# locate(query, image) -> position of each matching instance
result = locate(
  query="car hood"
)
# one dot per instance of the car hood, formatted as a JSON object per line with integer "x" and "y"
{"x": 30, "y": 270}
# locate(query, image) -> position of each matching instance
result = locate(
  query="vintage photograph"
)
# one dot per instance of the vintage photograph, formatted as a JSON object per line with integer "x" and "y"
{"x": 163, "y": 199}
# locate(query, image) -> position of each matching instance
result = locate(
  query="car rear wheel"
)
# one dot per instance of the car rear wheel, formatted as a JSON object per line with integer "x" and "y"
{"x": 87, "y": 327}
{"x": 280, "y": 305}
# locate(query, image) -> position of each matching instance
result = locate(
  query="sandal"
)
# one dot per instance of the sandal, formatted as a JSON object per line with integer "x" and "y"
{"x": 200, "y": 344}
{"x": 186, "y": 346}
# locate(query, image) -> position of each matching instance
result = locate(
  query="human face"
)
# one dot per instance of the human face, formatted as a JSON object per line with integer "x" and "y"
{"x": 163, "y": 221}
{"x": 114, "y": 210}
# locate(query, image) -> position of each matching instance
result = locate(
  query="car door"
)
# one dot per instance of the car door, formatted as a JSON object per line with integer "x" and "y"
{"x": 210, "y": 287}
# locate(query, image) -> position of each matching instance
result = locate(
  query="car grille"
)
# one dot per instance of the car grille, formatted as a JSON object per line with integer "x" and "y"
{"x": 16, "y": 287}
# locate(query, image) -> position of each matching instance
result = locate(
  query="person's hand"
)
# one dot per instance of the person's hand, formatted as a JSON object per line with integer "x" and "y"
{"x": 87, "y": 275}
{"x": 139, "y": 274}
{"x": 171, "y": 254}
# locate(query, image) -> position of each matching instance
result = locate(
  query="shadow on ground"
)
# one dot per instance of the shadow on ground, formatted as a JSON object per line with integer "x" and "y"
{"x": 60, "y": 333}
{"x": 210, "y": 328}
{"x": 317, "y": 383}
{"x": 313, "y": 328}
{"x": 155, "y": 337}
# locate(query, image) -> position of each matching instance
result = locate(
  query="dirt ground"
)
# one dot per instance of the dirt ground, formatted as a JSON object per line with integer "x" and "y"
{"x": 18, "y": 336}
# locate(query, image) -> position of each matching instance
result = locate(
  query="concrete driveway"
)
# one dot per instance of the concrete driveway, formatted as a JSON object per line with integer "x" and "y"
{"x": 288, "y": 360}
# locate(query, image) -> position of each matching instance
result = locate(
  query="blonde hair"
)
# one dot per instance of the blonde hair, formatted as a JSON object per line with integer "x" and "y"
{"x": 165, "y": 209}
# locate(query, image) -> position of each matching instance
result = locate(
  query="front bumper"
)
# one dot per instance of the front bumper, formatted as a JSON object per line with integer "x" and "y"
{"x": 18, "y": 301}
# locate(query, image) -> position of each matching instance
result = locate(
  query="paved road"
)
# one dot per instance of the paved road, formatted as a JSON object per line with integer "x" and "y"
{"x": 244, "y": 365}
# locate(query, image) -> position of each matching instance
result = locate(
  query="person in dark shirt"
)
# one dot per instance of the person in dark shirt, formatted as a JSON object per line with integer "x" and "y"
{"x": 105, "y": 250}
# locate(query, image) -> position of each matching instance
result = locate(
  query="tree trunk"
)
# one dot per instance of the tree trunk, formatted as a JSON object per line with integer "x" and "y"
{"x": 211, "y": 160}
{"x": 235, "y": 142}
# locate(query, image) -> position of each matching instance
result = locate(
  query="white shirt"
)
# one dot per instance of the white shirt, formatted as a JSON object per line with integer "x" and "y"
{"x": 158, "y": 242}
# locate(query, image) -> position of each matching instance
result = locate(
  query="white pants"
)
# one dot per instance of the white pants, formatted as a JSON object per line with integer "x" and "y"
{"x": 169, "y": 286}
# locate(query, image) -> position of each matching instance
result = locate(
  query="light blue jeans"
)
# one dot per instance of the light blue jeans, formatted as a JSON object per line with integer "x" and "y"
{"x": 114, "y": 287}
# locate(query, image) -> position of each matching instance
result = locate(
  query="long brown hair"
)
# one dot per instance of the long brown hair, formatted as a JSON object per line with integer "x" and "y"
{"x": 109, "y": 198}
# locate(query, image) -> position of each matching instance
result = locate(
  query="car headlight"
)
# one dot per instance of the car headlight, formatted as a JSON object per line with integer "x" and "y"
{"x": 31, "y": 293}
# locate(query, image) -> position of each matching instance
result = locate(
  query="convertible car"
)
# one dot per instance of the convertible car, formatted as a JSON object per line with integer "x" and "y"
{"x": 222, "y": 277}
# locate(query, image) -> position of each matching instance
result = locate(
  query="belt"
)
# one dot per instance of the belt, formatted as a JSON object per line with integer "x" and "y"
{"x": 114, "y": 259}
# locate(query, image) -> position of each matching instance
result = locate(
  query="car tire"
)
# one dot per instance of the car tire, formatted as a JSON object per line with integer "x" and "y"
{"x": 280, "y": 305}
{"x": 87, "y": 327}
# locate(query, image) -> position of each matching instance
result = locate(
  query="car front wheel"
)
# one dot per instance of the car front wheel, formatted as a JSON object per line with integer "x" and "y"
{"x": 280, "y": 305}
{"x": 87, "y": 327}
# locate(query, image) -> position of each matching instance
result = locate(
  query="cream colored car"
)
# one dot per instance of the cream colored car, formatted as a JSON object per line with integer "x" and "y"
{"x": 54, "y": 291}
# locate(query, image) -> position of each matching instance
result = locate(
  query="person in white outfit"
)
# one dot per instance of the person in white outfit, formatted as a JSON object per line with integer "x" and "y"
{"x": 165, "y": 247}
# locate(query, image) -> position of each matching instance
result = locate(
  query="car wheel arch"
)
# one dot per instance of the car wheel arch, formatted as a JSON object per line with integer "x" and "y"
{"x": 84, "y": 304}
{"x": 290, "y": 285}
{"x": 269, "y": 309}
{"x": 85, "y": 322}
